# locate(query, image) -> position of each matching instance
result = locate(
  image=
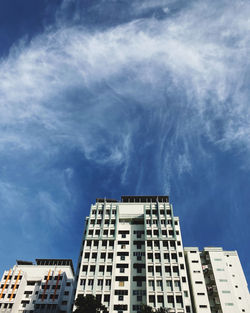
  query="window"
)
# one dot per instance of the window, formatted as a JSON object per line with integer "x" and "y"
{"x": 106, "y": 298}
{"x": 121, "y": 283}
{"x": 183, "y": 279}
{"x": 84, "y": 268}
{"x": 121, "y": 292}
{"x": 123, "y": 235}
{"x": 120, "y": 298}
{"x": 100, "y": 282}
{"x": 157, "y": 256}
{"x": 160, "y": 299}
{"x": 170, "y": 299}
{"x": 82, "y": 283}
{"x": 166, "y": 256}
{"x": 139, "y": 298}
{"x": 202, "y": 306}
{"x": 136, "y": 307}
{"x": 151, "y": 299}
{"x": 185, "y": 294}
{"x": 122, "y": 257}
{"x": 179, "y": 300}
{"x": 101, "y": 268}
{"x": 149, "y": 244}
{"x": 109, "y": 268}
{"x": 198, "y": 282}
{"x": 156, "y": 244}
{"x": 169, "y": 285}
{"x": 122, "y": 270}
{"x": 172, "y": 245}
{"x": 168, "y": 270}
{"x": 171, "y": 233}
{"x": 91, "y": 282}
{"x": 122, "y": 307}
{"x": 201, "y": 294}
{"x": 108, "y": 282}
{"x": 175, "y": 271}
{"x": 174, "y": 257}
{"x": 103, "y": 255}
{"x": 177, "y": 285}
{"x": 195, "y": 261}
{"x": 151, "y": 283}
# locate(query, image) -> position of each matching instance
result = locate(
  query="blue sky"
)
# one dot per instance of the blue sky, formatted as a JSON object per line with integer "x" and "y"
{"x": 110, "y": 98}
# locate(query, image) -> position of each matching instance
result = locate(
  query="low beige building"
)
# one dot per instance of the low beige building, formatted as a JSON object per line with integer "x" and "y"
{"x": 46, "y": 286}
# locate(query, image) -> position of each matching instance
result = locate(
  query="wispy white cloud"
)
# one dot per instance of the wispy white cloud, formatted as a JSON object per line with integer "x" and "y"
{"x": 77, "y": 89}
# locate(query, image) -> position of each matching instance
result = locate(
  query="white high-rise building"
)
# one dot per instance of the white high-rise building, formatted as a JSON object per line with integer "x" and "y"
{"x": 132, "y": 254}
{"x": 47, "y": 286}
{"x": 217, "y": 281}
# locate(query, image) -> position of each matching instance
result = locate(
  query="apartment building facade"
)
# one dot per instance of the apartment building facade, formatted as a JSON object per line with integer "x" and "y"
{"x": 47, "y": 286}
{"x": 132, "y": 254}
{"x": 217, "y": 281}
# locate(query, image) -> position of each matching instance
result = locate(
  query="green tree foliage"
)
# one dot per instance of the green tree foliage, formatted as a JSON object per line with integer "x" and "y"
{"x": 161, "y": 310}
{"x": 146, "y": 309}
{"x": 149, "y": 309}
{"x": 88, "y": 304}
